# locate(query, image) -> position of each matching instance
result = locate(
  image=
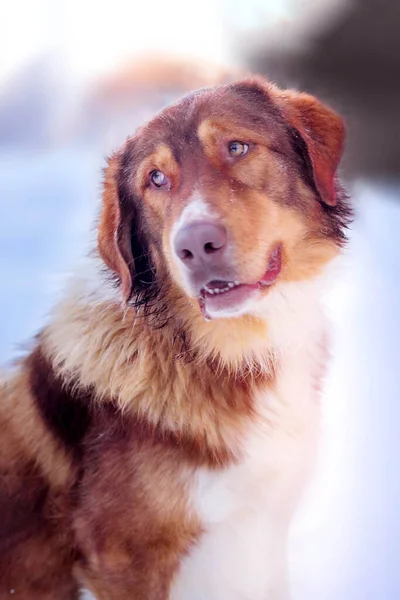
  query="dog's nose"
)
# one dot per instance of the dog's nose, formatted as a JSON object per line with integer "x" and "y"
{"x": 200, "y": 243}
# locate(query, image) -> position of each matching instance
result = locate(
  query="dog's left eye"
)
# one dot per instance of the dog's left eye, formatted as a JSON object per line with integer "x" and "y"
{"x": 158, "y": 178}
{"x": 237, "y": 148}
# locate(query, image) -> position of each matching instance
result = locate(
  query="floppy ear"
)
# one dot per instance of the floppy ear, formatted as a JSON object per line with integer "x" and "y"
{"x": 114, "y": 228}
{"x": 322, "y": 134}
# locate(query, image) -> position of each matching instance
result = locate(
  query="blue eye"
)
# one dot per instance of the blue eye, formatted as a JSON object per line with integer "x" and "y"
{"x": 237, "y": 148}
{"x": 158, "y": 178}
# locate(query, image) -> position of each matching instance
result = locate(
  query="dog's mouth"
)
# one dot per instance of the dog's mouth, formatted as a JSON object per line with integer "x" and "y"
{"x": 229, "y": 296}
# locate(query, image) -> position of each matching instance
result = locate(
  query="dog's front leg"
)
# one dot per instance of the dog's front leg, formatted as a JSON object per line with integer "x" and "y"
{"x": 133, "y": 556}
{"x": 127, "y": 574}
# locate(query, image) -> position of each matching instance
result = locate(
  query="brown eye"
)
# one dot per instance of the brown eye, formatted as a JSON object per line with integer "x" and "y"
{"x": 158, "y": 178}
{"x": 237, "y": 148}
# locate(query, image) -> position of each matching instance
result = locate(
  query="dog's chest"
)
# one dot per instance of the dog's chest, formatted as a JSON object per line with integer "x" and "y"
{"x": 245, "y": 509}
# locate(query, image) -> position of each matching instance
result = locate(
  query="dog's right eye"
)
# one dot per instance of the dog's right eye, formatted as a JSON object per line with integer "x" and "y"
{"x": 158, "y": 178}
{"x": 237, "y": 148}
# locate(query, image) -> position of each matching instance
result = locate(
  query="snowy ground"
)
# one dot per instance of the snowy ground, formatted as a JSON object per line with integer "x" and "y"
{"x": 346, "y": 540}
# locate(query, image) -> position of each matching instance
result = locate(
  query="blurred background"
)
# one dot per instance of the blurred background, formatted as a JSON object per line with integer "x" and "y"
{"x": 77, "y": 77}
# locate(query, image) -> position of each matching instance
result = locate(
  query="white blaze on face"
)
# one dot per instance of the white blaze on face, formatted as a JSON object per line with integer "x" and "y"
{"x": 195, "y": 211}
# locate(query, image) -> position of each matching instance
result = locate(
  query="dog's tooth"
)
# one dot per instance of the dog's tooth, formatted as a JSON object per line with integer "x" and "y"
{"x": 231, "y": 284}
{"x": 210, "y": 291}
{"x": 217, "y": 290}
{"x": 236, "y": 282}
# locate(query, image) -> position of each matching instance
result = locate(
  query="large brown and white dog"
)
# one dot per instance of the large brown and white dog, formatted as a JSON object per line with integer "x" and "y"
{"x": 155, "y": 441}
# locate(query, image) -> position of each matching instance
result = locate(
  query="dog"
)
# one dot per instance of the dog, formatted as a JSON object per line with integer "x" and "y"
{"x": 157, "y": 437}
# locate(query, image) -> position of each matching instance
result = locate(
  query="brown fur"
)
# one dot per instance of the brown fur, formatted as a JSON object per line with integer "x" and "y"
{"x": 36, "y": 543}
{"x": 138, "y": 521}
{"x": 196, "y": 400}
{"x": 107, "y": 420}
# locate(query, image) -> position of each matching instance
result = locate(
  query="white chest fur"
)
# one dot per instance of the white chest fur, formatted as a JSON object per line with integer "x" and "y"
{"x": 246, "y": 509}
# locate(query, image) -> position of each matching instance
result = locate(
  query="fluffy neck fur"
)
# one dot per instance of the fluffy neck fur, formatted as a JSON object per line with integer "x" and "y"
{"x": 190, "y": 377}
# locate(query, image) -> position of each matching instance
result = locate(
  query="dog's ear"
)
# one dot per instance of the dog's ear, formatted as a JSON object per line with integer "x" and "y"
{"x": 320, "y": 134}
{"x": 114, "y": 230}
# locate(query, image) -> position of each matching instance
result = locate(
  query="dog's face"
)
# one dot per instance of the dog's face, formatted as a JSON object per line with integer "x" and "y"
{"x": 224, "y": 195}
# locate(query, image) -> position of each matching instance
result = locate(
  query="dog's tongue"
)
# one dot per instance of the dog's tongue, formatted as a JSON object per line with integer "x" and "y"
{"x": 274, "y": 266}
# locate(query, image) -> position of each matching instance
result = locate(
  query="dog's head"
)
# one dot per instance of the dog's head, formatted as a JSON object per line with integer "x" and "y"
{"x": 222, "y": 196}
